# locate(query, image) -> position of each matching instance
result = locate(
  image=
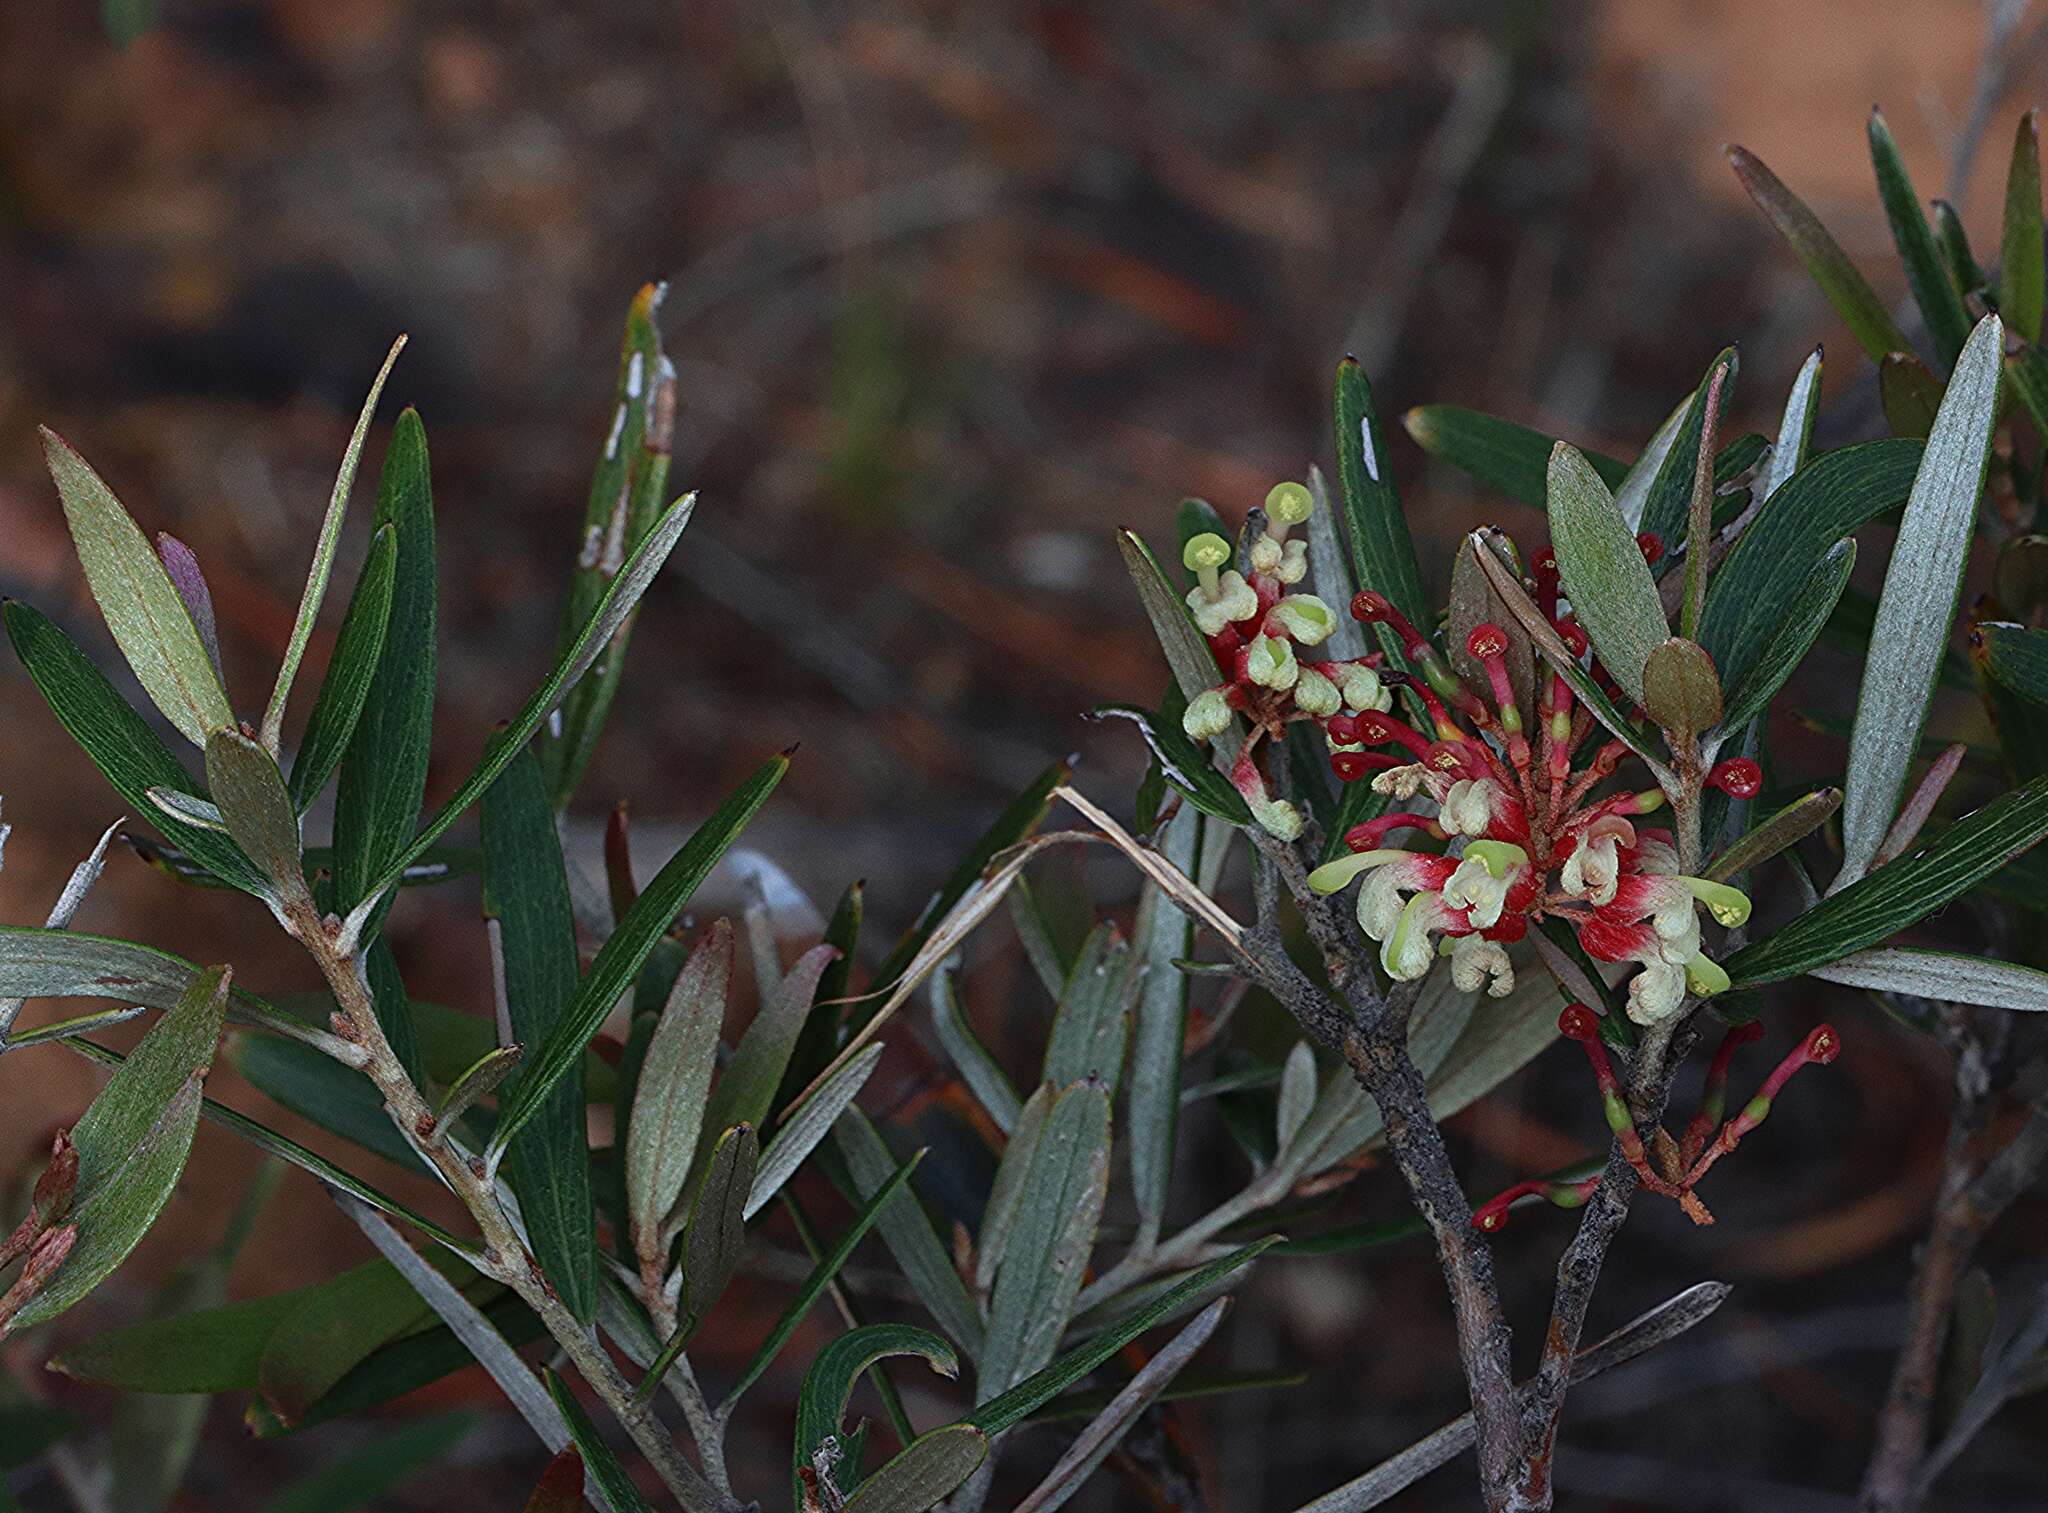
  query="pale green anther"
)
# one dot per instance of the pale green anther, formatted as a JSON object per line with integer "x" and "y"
{"x": 1729, "y": 906}
{"x": 1500, "y": 857}
{"x": 1207, "y": 715}
{"x": 1306, "y": 618}
{"x": 1269, "y": 662}
{"x": 1203, "y": 555}
{"x": 1704, "y": 976}
{"x": 1331, "y": 877}
{"x": 1316, "y": 694}
{"x": 1289, "y": 504}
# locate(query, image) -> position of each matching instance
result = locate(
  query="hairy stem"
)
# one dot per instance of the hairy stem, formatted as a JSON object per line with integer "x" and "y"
{"x": 505, "y": 1256}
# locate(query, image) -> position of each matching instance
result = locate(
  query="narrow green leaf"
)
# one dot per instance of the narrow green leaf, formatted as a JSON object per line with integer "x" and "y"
{"x": 2017, "y": 657}
{"x": 1187, "y": 654}
{"x": 626, "y": 490}
{"x": 1049, "y": 1249}
{"x": 1665, "y": 507}
{"x": 807, "y": 1128}
{"x": 142, "y": 607}
{"x": 346, "y": 686}
{"x": 1499, "y": 453}
{"x": 1012, "y": 1407}
{"x": 118, "y": 740}
{"x": 821, "y": 1277}
{"x": 2021, "y": 268}
{"x": 132, "y": 1142}
{"x": 526, "y": 891}
{"x": 923, "y": 1472}
{"x": 206, "y": 1350}
{"x": 674, "y": 1085}
{"x": 1821, "y": 503}
{"x": 828, "y": 1385}
{"x": 1952, "y": 240}
{"x": 1185, "y": 764}
{"x": 820, "y": 1034}
{"x": 1382, "y": 555}
{"x": 259, "y": 815}
{"x": 1092, "y": 1023}
{"x": 1611, "y": 589}
{"x": 1786, "y": 828}
{"x": 604, "y": 1467}
{"x": 715, "y": 1239}
{"x": 383, "y": 775}
{"x": 1846, "y": 289}
{"x": 619, "y": 962}
{"x": 584, "y": 649}
{"x": 1941, "y": 305}
{"x": 323, "y": 559}
{"x": 1801, "y": 620}
{"x": 1900, "y": 892}
{"x": 1918, "y": 604}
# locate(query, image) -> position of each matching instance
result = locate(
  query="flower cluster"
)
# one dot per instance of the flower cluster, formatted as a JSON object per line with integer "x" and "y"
{"x": 1254, "y": 621}
{"x": 1519, "y": 829}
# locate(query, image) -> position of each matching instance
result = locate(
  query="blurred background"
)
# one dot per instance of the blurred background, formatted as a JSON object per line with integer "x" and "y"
{"x": 955, "y": 288}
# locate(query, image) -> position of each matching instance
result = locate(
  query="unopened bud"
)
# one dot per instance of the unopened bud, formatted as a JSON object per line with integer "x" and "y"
{"x": 1316, "y": 694}
{"x": 1738, "y": 777}
{"x": 1207, "y": 715}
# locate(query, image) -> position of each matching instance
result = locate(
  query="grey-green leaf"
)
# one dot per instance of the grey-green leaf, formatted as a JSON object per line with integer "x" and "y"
{"x": 143, "y": 608}
{"x": 2021, "y": 266}
{"x": 1941, "y": 305}
{"x": 675, "y": 1082}
{"x": 908, "y": 1233}
{"x": 1092, "y": 1024}
{"x": 808, "y": 1126}
{"x": 828, "y": 1385}
{"x": 259, "y": 814}
{"x": 923, "y": 1472}
{"x": 1049, "y": 1249}
{"x": 1612, "y": 592}
{"x": 1918, "y": 604}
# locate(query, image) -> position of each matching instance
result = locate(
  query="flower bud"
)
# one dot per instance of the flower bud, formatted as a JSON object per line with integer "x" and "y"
{"x": 1738, "y": 777}
{"x": 1231, "y": 600}
{"x": 1266, "y": 555}
{"x": 1207, "y": 715}
{"x": 1269, "y": 662}
{"x": 1304, "y": 617}
{"x": 1363, "y": 690}
{"x": 1316, "y": 694}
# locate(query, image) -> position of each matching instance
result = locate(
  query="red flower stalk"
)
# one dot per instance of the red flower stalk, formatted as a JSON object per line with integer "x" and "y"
{"x": 1368, "y": 835}
{"x": 1580, "y": 1023}
{"x": 1818, "y": 1049}
{"x": 1492, "y": 1215}
{"x": 1714, "y": 1097}
{"x": 1353, "y": 766}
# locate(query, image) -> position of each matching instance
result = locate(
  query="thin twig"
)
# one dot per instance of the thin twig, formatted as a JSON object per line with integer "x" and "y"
{"x": 1661, "y": 1324}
